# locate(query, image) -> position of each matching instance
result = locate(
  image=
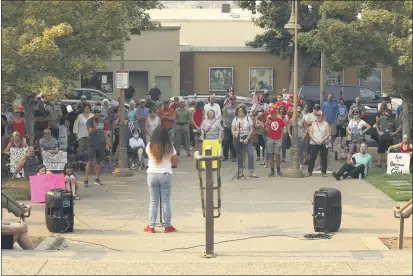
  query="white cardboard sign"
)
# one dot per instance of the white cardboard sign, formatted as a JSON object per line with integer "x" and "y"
{"x": 122, "y": 79}
{"x": 54, "y": 162}
{"x": 398, "y": 163}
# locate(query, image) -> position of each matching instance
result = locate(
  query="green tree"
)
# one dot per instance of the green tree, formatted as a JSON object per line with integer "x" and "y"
{"x": 381, "y": 35}
{"x": 47, "y": 45}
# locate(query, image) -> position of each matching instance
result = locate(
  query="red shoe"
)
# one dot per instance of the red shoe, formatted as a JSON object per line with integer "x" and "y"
{"x": 169, "y": 229}
{"x": 149, "y": 229}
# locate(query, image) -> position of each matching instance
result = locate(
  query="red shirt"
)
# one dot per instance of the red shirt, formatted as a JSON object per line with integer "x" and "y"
{"x": 288, "y": 105}
{"x": 174, "y": 106}
{"x": 263, "y": 117}
{"x": 198, "y": 117}
{"x": 275, "y": 129}
{"x": 20, "y": 127}
{"x": 278, "y": 104}
{"x": 167, "y": 123}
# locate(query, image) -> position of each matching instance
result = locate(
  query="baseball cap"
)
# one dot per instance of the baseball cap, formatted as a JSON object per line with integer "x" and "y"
{"x": 176, "y": 98}
{"x": 272, "y": 110}
{"x": 319, "y": 113}
{"x": 142, "y": 101}
{"x": 317, "y": 107}
{"x": 165, "y": 102}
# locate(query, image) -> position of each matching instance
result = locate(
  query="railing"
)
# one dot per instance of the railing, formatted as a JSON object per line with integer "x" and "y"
{"x": 402, "y": 213}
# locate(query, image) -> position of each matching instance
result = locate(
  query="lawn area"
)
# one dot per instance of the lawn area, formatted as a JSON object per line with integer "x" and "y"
{"x": 378, "y": 178}
{"x": 17, "y": 189}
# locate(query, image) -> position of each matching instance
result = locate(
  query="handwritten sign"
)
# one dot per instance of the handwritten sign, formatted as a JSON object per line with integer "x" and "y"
{"x": 398, "y": 163}
{"x": 15, "y": 155}
{"x": 54, "y": 162}
{"x": 41, "y": 184}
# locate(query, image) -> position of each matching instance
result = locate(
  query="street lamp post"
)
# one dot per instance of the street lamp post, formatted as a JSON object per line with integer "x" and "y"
{"x": 292, "y": 27}
{"x": 122, "y": 170}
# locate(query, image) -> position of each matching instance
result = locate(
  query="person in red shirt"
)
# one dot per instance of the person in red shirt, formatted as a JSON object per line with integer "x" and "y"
{"x": 280, "y": 101}
{"x": 168, "y": 118}
{"x": 175, "y": 104}
{"x": 274, "y": 128}
{"x": 289, "y": 103}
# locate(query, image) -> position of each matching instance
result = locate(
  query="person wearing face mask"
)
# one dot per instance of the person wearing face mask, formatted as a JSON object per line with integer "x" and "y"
{"x": 360, "y": 163}
{"x": 56, "y": 114}
{"x": 137, "y": 144}
{"x": 386, "y": 128}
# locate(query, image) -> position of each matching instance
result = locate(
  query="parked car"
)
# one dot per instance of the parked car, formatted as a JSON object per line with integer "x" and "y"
{"x": 219, "y": 99}
{"x": 92, "y": 96}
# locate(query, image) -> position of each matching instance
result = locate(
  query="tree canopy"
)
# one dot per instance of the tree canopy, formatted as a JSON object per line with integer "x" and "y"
{"x": 47, "y": 45}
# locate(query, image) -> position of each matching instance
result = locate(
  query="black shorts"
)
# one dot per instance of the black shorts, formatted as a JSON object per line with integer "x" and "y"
{"x": 384, "y": 145}
{"x": 341, "y": 131}
{"x": 96, "y": 152}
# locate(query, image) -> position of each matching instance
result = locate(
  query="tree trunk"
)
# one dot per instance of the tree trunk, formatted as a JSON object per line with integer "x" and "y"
{"x": 28, "y": 105}
{"x": 407, "y": 114}
{"x": 305, "y": 61}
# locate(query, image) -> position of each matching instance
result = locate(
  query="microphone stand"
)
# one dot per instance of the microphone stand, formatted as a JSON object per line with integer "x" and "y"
{"x": 238, "y": 175}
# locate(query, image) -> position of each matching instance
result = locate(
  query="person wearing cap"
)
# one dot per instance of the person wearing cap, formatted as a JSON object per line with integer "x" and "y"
{"x": 386, "y": 129}
{"x": 229, "y": 115}
{"x": 356, "y": 130}
{"x": 142, "y": 113}
{"x": 95, "y": 144}
{"x": 183, "y": 118}
{"x": 341, "y": 121}
{"x": 175, "y": 104}
{"x": 274, "y": 129}
{"x": 319, "y": 134}
{"x": 330, "y": 110}
{"x": 168, "y": 118}
{"x": 214, "y": 106}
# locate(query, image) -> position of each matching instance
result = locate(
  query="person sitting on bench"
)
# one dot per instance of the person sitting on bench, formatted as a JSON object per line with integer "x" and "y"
{"x": 360, "y": 163}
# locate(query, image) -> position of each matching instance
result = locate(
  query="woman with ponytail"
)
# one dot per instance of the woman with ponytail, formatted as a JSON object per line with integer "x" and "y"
{"x": 161, "y": 157}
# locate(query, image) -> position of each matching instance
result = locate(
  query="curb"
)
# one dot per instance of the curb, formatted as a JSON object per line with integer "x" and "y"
{"x": 373, "y": 243}
{"x": 50, "y": 243}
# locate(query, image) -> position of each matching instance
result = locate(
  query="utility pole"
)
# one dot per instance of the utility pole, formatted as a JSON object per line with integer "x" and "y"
{"x": 122, "y": 170}
{"x": 323, "y": 69}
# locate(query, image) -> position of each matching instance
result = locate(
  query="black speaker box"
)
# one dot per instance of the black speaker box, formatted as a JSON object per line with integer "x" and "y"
{"x": 327, "y": 210}
{"x": 59, "y": 211}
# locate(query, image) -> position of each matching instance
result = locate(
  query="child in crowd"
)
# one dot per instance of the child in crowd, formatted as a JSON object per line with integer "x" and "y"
{"x": 137, "y": 144}
{"x": 70, "y": 180}
{"x": 41, "y": 169}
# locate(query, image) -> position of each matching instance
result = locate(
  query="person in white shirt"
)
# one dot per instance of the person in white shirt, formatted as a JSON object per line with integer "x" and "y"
{"x": 161, "y": 157}
{"x": 136, "y": 143}
{"x": 212, "y": 106}
{"x": 80, "y": 128}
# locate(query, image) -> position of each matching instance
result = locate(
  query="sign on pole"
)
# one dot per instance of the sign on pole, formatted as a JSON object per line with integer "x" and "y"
{"x": 122, "y": 79}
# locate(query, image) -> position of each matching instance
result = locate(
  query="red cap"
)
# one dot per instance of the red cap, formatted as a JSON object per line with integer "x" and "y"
{"x": 20, "y": 107}
{"x": 272, "y": 110}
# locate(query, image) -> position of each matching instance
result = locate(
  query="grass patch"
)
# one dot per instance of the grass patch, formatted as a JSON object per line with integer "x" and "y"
{"x": 36, "y": 240}
{"x": 379, "y": 179}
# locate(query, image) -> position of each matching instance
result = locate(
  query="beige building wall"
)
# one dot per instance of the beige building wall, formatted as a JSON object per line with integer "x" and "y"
{"x": 240, "y": 63}
{"x": 155, "y": 51}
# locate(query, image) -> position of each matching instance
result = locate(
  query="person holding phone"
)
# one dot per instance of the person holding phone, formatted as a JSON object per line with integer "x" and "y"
{"x": 359, "y": 163}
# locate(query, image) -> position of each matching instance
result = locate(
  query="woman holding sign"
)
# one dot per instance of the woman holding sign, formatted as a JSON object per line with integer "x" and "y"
{"x": 404, "y": 146}
{"x": 28, "y": 163}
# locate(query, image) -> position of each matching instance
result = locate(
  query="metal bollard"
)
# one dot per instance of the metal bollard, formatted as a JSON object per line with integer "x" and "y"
{"x": 208, "y": 206}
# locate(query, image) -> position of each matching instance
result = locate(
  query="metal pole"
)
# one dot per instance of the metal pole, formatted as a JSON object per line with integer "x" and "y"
{"x": 209, "y": 207}
{"x": 323, "y": 69}
{"x": 401, "y": 232}
{"x": 295, "y": 170}
{"x": 122, "y": 170}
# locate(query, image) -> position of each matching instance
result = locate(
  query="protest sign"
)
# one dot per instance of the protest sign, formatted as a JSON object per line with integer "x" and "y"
{"x": 216, "y": 150}
{"x": 54, "y": 162}
{"x": 15, "y": 155}
{"x": 41, "y": 184}
{"x": 398, "y": 163}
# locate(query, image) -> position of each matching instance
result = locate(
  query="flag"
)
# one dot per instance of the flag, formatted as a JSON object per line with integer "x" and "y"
{"x": 131, "y": 127}
{"x": 255, "y": 100}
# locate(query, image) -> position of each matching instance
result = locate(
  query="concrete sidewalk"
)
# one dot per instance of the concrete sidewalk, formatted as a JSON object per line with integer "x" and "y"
{"x": 250, "y": 208}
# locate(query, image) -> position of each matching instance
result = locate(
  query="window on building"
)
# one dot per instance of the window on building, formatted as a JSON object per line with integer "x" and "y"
{"x": 102, "y": 81}
{"x": 373, "y": 80}
{"x": 335, "y": 78}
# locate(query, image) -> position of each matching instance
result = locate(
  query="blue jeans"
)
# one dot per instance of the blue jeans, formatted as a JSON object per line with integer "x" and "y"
{"x": 247, "y": 149}
{"x": 301, "y": 150}
{"x": 160, "y": 185}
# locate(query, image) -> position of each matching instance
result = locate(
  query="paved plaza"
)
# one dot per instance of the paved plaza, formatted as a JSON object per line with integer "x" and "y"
{"x": 278, "y": 207}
